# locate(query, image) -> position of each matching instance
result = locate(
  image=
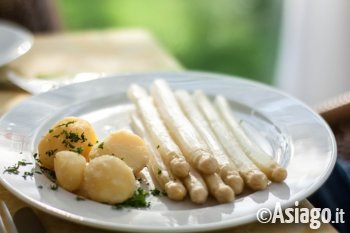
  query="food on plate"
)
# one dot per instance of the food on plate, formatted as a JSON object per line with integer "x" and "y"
{"x": 108, "y": 179}
{"x": 70, "y": 133}
{"x": 158, "y": 134}
{"x": 261, "y": 159}
{"x": 196, "y": 187}
{"x": 194, "y": 183}
{"x": 227, "y": 169}
{"x": 173, "y": 187}
{"x": 193, "y": 147}
{"x": 218, "y": 189}
{"x": 69, "y": 168}
{"x": 125, "y": 145}
{"x": 254, "y": 178}
{"x": 188, "y": 145}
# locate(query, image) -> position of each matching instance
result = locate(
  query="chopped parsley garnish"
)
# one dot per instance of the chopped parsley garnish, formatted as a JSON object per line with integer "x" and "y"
{"x": 101, "y": 145}
{"x": 26, "y": 174}
{"x": 54, "y": 187}
{"x": 14, "y": 168}
{"x": 73, "y": 137}
{"x": 89, "y": 144}
{"x": 23, "y": 163}
{"x": 40, "y": 186}
{"x": 50, "y": 130}
{"x": 79, "y": 198}
{"x": 51, "y": 152}
{"x": 65, "y": 124}
{"x": 67, "y": 144}
{"x": 70, "y": 138}
{"x": 159, "y": 171}
{"x": 155, "y": 192}
{"x": 138, "y": 200}
{"x": 158, "y": 146}
{"x": 78, "y": 150}
{"x": 48, "y": 172}
{"x": 35, "y": 155}
{"x": 83, "y": 138}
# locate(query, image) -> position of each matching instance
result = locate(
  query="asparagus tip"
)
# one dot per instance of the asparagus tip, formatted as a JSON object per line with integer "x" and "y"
{"x": 278, "y": 174}
{"x": 235, "y": 181}
{"x": 256, "y": 180}
{"x": 199, "y": 195}
{"x": 224, "y": 194}
{"x": 180, "y": 167}
{"x": 208, "y": 164}
{"x": 175, "y": 190}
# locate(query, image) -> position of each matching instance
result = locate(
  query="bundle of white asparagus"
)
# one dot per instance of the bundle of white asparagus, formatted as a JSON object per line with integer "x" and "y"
{"x": 196, "y": 147}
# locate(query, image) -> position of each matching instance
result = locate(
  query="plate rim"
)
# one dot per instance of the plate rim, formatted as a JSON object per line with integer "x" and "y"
{"x": 14, "y": 27}
{"x": 183, "y": 228}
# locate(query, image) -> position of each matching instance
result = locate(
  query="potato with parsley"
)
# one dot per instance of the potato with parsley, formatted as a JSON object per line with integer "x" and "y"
{"x": 125, "y": 145}
{"x": 69, "y": 168}
{"x": 108, "y": 179}
{"x": 72, "y": 134}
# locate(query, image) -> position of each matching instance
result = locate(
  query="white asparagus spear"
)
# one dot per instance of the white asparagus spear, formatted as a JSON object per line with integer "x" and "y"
{"x": 227, "y": 169}
{"x": 194, "y": 183}
{"x": 193, "y": 147}
{"x": 159, "y": 135}
{"x": 261, "y": 159}
{"x": 173, "y": 187}
{"x": 253, "y": 177}
{"x": 196, "y": 187}
{"x": 218, "y": 189}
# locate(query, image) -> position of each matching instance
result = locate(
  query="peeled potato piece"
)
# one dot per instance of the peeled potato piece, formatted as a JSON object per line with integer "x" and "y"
{"x": 108, "y": 179}
{"x": 125, "y": 145}
{"x": 69, "y": 168}
{"x": 69, "y": 134}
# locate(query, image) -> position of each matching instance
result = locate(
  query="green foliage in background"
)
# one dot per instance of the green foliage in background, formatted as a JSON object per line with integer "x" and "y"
{"x": 237, "y": 37}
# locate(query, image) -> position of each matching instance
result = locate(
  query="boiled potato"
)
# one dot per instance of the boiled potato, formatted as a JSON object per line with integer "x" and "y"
{"x": 70, "y": 133}
{"x": 69, "y": 168}
{"x": 125, "y": 145}
{"x": 108, "y": 179}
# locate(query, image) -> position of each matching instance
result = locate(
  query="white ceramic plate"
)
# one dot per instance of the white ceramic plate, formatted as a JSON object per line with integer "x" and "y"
{"x": 298, "y": 138}
{"x": 14, "y": 41}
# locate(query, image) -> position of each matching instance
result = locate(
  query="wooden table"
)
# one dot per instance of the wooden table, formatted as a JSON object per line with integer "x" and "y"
{"x": 123, "y": 51}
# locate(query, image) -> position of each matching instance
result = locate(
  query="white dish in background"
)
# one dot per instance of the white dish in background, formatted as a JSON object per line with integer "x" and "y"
{"x": 299, "y": 139}
{"x": 14, "y": 41}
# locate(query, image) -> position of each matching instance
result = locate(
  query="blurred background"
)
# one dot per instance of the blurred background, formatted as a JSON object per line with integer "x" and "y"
{"x": 301, "y": 47}
{"x": 234, "y": 37}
